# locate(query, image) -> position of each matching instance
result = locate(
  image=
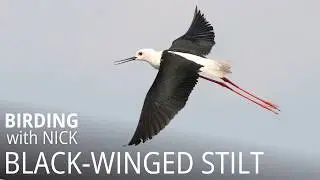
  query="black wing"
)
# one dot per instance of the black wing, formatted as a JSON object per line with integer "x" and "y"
{"x": 168, "y": 95}
{"x": 198, "y": 40}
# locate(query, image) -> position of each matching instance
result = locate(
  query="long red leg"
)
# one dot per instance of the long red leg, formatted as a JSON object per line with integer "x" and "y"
{"x": 266, "y": 102}
{"x": 226, "y": 86}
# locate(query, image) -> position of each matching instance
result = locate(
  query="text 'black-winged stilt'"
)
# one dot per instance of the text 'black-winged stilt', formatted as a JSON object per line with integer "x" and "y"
{"x": 179, "y": 68}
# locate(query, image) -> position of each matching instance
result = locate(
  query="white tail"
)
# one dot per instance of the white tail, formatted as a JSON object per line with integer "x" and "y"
{"x": 217, "y": 68}
{"x": 225, "y": 66}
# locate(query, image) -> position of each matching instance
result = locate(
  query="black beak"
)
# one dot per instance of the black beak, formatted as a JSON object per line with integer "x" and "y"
{"x": 125, "y": 60}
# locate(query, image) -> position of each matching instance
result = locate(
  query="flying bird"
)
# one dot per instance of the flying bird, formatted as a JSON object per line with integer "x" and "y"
{"x": 179, "y": 69}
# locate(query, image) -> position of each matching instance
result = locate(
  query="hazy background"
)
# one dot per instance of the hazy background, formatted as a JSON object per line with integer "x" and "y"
{"x": 58, "y": 54}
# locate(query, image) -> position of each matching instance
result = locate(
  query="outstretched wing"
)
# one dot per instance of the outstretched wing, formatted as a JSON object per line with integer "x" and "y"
{"x": 167, "y": 96}
{"x": 198, "y": 40}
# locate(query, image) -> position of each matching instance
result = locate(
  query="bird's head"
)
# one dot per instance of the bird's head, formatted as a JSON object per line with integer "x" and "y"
{"x": 145, "y": 54}
{"x": 150, "y": 55}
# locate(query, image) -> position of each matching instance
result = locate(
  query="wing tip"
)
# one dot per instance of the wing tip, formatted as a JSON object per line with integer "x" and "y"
{"x": 197, "y": 11}
{"x": 136, "y": 141}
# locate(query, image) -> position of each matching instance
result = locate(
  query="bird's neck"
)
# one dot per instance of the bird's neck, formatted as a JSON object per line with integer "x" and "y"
{"x": 155, "y": 59}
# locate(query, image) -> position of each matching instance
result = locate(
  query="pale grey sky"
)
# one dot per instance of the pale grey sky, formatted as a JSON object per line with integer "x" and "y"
{"x": 59, "y": 54}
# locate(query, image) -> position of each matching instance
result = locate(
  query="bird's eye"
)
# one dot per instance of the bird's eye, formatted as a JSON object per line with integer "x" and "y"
{"x": 140, "y": 53}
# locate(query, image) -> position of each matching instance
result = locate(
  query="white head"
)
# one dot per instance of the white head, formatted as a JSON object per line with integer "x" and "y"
{"x": 150, "y": 55}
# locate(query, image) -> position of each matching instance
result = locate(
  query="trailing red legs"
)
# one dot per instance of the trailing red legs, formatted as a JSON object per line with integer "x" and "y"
{"x": 265, "y": 104}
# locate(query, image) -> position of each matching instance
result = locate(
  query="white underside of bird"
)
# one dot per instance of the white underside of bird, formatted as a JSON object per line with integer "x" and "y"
{"x": 211, "y": 68}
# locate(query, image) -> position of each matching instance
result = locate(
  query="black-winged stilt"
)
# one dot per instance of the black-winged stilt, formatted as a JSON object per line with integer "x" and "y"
{"x": 179, "y": 67}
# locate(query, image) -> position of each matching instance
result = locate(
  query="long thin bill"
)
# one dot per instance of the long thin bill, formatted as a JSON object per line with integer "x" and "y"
{"x": 124, "y": 60}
